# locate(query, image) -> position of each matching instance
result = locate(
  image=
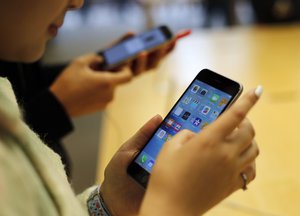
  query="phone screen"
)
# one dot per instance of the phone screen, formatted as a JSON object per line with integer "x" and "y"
{"x": 131, "y": 47}
{"x": 199, "y": 106}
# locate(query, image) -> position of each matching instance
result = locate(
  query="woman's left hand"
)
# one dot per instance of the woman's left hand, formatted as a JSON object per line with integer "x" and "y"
{"x": 121, "y": 194}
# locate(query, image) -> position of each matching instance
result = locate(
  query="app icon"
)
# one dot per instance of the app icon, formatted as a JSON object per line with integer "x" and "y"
{"x": 177, "y": 126}
{"x": 204, "y": 125}
{"x": 197, "y": 122}
{"x": 170, "y": 122}
{"x": 178, "y": 111}
{"x": 187, "y": 100}
{"x": 194, "y": 103}
{"x": 223, "y": 101}
{"x": 143, "y": 159}
{"x": 168, "y": 137}
{"x": 195, "y": 88}
{"x": 161, "y": 133}
{"x": 214, "y": 114}
{"x": 203, "y": 92}
{"x": 205, "y": 110}
{"x": 186, "y": 115}
{"x": 215, "y": 98}
{"x": 150, "y": 163}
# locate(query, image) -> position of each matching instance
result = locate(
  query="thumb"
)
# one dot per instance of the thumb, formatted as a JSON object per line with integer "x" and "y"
{"x": 138, "y": 141}
{"x": 125, "y": 37}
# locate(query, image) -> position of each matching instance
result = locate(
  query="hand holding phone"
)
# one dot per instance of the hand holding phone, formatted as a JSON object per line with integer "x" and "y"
{"x": 131, "y": 48}
{"x": 189, "y": 174}
{"x": 196, "y": 171}
{"x": 205, "y": 99}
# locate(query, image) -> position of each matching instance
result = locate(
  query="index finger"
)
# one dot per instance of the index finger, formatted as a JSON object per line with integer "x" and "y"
{"x": 231, "y": 119}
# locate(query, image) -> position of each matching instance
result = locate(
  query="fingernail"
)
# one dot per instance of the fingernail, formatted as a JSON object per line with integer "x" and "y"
{"x": 258, "y": 91}
{"x": 157, "y": 116}
{"x": 143, "y": 54}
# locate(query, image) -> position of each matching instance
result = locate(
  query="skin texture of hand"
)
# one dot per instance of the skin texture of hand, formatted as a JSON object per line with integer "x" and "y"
{"x": 123, "y": 195}
{"x": 82, "y": 90}
{"x": 194, "y": 172}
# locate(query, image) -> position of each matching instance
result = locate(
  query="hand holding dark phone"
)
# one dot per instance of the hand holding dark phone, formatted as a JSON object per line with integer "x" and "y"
{"x": 130, "y": 48}
{"x": 209, "y": 95}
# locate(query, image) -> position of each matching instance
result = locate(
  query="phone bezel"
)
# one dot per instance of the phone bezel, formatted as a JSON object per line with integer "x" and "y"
{"x": 164, "y": 29}
{"x": 209, "y": 77}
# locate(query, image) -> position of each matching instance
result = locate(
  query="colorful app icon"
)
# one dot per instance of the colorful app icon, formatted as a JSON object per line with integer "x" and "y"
{"x": 205, "y": 110}
{"x": 204, "y": 125}
{"x": 194, "y": 103}
{"x": 215, "y": 98}
{"x": 195, "y": 88}
{"x": 150, "y": 163}
{"x": 203, "y": 92}
{"x": 161, "y": 133}
{"x": 186, "y": 115}
{"x": 197, "y": 122}
{"x": 177, "y": 126}
{"x": 187, "y": 100}
{"x": 215, "y": 114}
{"x": 223, "y": 101}
{"x": 178, "y": 111}
{"x": 143, "y": 159}
{"x": 170, "y": 122}
{"x": 168, "y": 137}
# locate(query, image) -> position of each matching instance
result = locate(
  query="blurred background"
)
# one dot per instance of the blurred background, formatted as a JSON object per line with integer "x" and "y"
{"x": 100, "y": 21}
{"x": 251, "y": 41}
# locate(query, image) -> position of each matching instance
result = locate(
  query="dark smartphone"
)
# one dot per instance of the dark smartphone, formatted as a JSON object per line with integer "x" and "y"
{"x": 204, "y": 100}
{"x": 130, "y": 48}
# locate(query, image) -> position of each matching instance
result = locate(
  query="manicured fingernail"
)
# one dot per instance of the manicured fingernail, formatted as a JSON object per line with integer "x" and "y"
{"x": 157, "y": 116}
{"x": 258, "y": 91}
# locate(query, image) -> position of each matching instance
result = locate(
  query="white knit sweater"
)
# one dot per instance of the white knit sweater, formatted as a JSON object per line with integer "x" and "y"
{"x": 32, "y": 177}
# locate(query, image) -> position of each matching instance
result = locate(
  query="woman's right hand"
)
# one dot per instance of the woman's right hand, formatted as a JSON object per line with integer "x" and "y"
{"x": 194, "y": 172}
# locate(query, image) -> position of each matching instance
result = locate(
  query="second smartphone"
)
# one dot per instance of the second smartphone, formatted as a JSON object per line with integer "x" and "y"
{"x": 204, "y": 100}
{"x": 129, "y": 49}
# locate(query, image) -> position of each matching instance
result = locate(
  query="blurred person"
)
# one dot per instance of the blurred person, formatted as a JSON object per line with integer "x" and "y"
{"x": 122, "y": 4}
{"x": 222, "y": 7}
{"x": 276, "y": 11}
{"x": 32, "y": 177}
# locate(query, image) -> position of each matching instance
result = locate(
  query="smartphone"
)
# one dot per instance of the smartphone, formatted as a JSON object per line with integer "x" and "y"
{"x": 130, "y": 48}
{"x": 208, "y": 95}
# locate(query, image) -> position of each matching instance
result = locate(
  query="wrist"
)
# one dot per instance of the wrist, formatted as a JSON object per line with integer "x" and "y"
{"x": 160, "y": 205}
{"x": 106, "y": 195}
{"x": 96, "y": 204}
